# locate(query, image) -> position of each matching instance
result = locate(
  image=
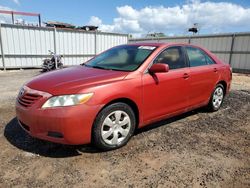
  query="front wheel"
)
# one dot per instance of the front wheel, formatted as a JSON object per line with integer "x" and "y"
{"x": 113, "y": 126}
{"x": 60, "y": 65}
{"x": 216, "y": 98}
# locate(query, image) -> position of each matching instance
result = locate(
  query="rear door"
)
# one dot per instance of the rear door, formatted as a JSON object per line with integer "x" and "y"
{"x": 166, "y": 93}
{"x": 203, "y": 75}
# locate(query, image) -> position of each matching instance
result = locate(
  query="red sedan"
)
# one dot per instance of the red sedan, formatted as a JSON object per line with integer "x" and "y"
{"x": 126, "y": 87}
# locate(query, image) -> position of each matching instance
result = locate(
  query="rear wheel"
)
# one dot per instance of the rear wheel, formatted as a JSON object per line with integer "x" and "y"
{"x": 113, "y": 126}
{"x": 216, "y": 98}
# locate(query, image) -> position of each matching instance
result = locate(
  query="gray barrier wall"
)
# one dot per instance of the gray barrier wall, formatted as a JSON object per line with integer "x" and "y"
{"x": 25, "y": 46}
{"x": 231, "y": 48}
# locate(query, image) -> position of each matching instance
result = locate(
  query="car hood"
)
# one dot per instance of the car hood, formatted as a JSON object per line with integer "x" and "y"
{"x": 72, "y": 80}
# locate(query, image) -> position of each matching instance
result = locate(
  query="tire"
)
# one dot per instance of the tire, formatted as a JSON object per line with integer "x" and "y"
{"x": 44, "y": 70}
{"x": 113, "y": 126}
{"x": 216, "y": 98}
{"x": 60, "y": 65}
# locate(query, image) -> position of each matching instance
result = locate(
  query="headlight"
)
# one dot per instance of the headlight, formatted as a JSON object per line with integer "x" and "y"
{"x": 67, "y": 100}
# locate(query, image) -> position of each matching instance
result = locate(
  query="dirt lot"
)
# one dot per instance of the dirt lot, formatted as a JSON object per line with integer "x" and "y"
{"x": 198, "y": 149}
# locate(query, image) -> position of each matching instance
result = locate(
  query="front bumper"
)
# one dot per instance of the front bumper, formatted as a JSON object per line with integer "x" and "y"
{"x": 66, "y": 125}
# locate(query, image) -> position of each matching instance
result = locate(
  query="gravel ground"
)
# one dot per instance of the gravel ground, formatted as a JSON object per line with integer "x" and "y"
{"x": 197, "y": 149}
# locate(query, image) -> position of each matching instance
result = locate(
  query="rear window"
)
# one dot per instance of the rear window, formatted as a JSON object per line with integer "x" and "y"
{"x": 197, "y": 57}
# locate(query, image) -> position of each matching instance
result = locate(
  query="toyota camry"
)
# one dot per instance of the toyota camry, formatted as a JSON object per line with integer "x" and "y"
{"x": 122, "y": 89}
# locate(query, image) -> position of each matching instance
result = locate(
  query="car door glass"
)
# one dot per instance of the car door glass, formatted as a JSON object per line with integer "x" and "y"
{"x": 196, "y": 57}
{"x": 209, "y": 60}
{"x": 172, "y": 56}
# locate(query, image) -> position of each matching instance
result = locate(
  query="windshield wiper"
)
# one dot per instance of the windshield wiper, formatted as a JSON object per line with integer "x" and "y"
{"x": 86, "y": 65}
{"x": 104, "y": 68}
{"x": 98, "y": 67}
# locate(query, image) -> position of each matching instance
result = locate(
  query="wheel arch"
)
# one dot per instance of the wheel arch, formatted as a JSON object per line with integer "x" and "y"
{"x": 129, "y": 102}
{"x": 224, "y": 83}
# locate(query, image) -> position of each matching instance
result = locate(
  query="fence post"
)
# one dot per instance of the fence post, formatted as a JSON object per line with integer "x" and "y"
{"x": 39, "y": 20}
{"x": 231, "y": 49}
{"x": 55, "y": 50}
{"x": 95, "y": 42}
{"x": 1, "y": 46}
{"x": 12, "y": 17}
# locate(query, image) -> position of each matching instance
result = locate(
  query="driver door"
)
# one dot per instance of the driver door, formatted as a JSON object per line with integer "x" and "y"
{"x": 166, "y": 93}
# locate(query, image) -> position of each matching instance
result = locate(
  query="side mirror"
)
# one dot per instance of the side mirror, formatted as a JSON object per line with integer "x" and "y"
{"x": 158, "y": 68}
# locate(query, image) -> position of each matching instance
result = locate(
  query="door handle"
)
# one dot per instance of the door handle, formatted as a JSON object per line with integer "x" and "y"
{"x": 185, "y": 75}
{"x": 215, "y": 70}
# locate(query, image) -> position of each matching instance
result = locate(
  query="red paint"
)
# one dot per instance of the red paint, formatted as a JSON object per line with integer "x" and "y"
{"x": 157, "y": 96}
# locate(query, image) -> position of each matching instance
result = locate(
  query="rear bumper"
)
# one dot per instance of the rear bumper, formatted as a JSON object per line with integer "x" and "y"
{"x": 66, "y": 125}
{"x": 228, "y": 87}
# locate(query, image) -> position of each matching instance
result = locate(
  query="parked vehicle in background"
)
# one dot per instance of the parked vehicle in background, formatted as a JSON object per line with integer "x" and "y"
{"x": 123, "y": 88}
{"x": 50, "y": 64}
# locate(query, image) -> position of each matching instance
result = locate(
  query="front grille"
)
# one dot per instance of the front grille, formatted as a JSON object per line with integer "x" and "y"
{"x": 28, "y": 99}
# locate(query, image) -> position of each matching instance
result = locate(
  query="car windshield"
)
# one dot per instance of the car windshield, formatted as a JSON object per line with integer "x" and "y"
{"x": 122, "y": 58}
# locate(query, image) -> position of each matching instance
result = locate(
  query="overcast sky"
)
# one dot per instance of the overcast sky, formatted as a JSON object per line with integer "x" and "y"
{"x": 139, "y": 17}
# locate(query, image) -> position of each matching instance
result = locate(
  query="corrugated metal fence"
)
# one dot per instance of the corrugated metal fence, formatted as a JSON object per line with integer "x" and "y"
{"x": 231, "y": 48}
{"x": 25, "y": 46}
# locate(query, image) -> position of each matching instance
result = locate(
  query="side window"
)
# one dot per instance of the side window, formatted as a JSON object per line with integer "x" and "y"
{"x": 196, "y": 57}
{"x": 209, "y": 60}
{"x": 172, "y": 56}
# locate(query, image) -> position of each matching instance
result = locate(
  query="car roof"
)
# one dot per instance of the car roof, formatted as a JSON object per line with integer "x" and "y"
{"x": 159, "y": 44}
{"x": 164, "y": 44}
{"x": 147, "y": 44}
